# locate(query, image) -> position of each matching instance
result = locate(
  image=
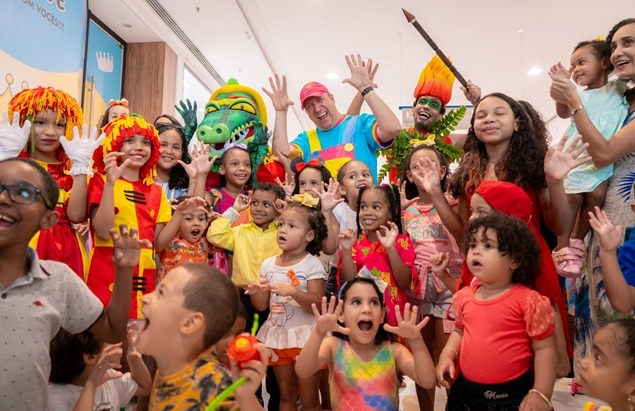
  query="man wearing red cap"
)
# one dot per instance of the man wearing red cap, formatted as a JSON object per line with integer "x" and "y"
{"x": 337, "y": 138}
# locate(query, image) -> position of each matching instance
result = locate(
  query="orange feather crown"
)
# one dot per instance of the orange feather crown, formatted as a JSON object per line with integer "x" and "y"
{"x": 435, "y": 80}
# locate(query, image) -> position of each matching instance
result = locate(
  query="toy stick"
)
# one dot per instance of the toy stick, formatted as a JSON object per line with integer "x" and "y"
{"x": 413, "y": 20}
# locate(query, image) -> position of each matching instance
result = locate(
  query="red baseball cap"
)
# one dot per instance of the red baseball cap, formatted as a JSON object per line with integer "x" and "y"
{"x": 312, "y": 89}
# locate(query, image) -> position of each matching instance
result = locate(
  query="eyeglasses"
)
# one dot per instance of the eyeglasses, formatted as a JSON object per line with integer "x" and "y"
{"x": 168, "y": 126}
{"x": 23, "y": 193}
{"x": 433, "y": 103}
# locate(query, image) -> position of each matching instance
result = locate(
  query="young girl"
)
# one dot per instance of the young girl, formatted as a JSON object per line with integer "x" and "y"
{"x": 504, "y": 331}
{"x": 425, "y": 227}
{"x": 115, "y": 109}
{"x": 608, "y": 372}
{"x": 235, "y": 171}
{"x": 586, "y": 185}
{"x": 364, "y": 364}
{"x": 352, "y": 176}
{"x": 380, "y": 247}
{"x": 289, "y": 284}
{"x": 54, "y": 142}
{"x": 183, "y": 238}
{"x": 124, "y": 193}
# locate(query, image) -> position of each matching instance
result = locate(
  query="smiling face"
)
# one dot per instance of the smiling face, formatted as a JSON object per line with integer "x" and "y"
{"x": 355, "y": 176}
{"x": 47, "y": 130}
{"x": 193, "y": 226}
{"x": 362, "y": 313}
{"x": 605, "y": 373}
{"x": 587, "y": 70}
{"x": 322, "y": 111}
{"x": 623, "y": 52}
{"x": 171, "y": 149}
{"x": 479, "y": 207}
{"x": 310, "y": 178}
{"x": 262, "y": 208}
{"x": 426, "y": 112}
{"x": 137, "y": 149}
{"x": 374, "y": 209}
{"x": 294, "y": 231}
{"x": 494, "y": 121}
{"x": 486, "y": 262}
{"x": 236, "y": 167}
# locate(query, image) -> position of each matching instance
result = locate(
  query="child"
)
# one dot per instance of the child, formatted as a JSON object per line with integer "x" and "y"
{"x": 191, "y": 309}
{"x": 424, "y": 225}
{"x": 608, "y": 372}
{"x": 364, "y": 364}
{"x": 235, "y": 171}
{"x": 116, "y": 109}
{"x": 352, "y": 176}
{"x": 289, "y": 283}
{"x": 37, "y": 296}
{"x": 239, "y": 326}
{"x": 83, "y": 375}
{"x": 586, "y": 185}
{"x": 124, "y": 192}
{"x": 183, "y": 238}
{"x": 504, "y": 331}
{"x": 381, "y": 247}
{"x": 55, "y": 114}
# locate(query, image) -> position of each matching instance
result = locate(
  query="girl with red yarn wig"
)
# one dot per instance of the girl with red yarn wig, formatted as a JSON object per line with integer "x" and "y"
{"x": 124, "y": 193}
{"x": 53, "y": 141}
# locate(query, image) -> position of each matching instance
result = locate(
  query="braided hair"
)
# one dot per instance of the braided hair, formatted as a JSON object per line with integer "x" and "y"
{"x": 392, "y": 196}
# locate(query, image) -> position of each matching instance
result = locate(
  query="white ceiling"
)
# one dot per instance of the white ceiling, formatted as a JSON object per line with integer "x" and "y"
{"x": 306, "y": 39}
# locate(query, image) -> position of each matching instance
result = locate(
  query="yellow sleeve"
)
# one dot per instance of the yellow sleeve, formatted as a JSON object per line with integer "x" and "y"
{"x": 221, "y": 233}
{"x": 165, "y": 212}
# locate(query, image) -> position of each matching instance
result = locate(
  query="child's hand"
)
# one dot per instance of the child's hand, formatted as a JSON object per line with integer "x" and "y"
{"x": 283, "y": 290}
{"x": 559, "y": 161}
{"x": 426, "y": 175}
{"x": 201, "y": 160}
{"x": 280, "y": 205}
{"x": 109, "y": 359}
{"x": 254, "y": 371}
{"x": 81, "y": 228}
{"x": 533, "y": 402}
{"x": 403, "y": 200}
{"x": 288, "y": 185}
{"x": 472, "y": 93}
{"x": 127, "y": 247}
{"x": 113, "y": 171}
{"x": 564, "y": 91}
{"x": 445, "y": 372}
{"x": 13, "y": 138}
{"x": 131, "y": 337}
{"x": 439, "y": 263}
{"x": 559, "y": 70}
{"x": 257, "y": 287}
{"x": 213, "y": 215}
{"x": 327, "y": 320}
{"x": 330, "y": 197}
{"x": 387, "y": 236}
{"x": 191, "y": 205}
{"x": 407, "y": 327}
{"x": 347, "y": 238}
{"x": 610, "y": 235}
{"x": 80, "y": 149}
{"x": 242, "y": 202}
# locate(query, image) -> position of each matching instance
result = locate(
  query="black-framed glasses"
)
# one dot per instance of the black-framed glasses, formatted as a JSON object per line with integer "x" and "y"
{"x": 23, "y": 193}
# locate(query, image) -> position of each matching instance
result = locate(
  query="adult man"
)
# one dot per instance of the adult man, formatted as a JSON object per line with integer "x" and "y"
{"x": 337, "y": 138}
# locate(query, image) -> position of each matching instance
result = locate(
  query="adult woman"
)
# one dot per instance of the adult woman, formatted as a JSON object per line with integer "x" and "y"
{"x": 592, "y": 305}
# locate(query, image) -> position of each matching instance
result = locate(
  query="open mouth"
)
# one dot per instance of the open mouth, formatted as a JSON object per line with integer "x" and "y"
{"x": 621, "y": 63}
{"x": 365, "y": 325}
{"x": 141, "y": 325}
{"x": 239, "y": 134}
{"x": 476, "y": 263}
{"x": 5, "y": 221}
{"x": 196, "y": 232}
{"x": 361, "y": 185}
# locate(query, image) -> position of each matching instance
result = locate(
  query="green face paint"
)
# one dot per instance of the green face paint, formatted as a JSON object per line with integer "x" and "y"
{"x": 431, "y": 102}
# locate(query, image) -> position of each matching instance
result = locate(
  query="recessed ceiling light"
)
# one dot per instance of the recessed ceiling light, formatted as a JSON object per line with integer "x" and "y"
{"x": 126, "y": 25}
{"x": 520, "y": 31}
{"x": 333, "y": 76}
{"x": 534, "y": 71}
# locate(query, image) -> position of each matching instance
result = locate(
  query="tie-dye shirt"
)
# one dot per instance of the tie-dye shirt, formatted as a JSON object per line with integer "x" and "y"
{"x": 364, "y": 386}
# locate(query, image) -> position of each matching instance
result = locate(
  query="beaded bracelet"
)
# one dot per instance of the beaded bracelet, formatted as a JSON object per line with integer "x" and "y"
{"x": 453, "y": 350}
{"x": 543, "y": 396}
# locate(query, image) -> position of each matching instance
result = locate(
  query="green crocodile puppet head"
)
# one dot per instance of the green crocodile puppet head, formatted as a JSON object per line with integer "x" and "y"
{"x": 233, "y": 115}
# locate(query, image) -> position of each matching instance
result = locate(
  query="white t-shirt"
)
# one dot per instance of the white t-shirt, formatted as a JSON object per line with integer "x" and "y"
{"x": 289, "y": 325}
{"x": 345, "y": 216}
{"x": 110, "y": 396}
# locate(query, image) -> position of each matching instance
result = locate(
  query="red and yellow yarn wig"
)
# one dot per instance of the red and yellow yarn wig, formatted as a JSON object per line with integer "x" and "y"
{"x": 435, "y": 80}
{"x": 117, "y": 131}
{"x": 33, "y": 101}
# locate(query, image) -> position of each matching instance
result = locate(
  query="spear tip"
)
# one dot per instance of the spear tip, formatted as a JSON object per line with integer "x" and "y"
{"x": 409, "y": 16}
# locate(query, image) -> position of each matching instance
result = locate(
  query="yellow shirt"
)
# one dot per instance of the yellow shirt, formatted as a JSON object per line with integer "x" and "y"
{"x": 251, "y": 245}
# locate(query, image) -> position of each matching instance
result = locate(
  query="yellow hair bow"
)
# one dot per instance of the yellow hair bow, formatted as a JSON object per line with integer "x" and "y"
{"x": 429, "y": 141}
{"x": 600, "y": 38}
{"x": 306, "y": 199}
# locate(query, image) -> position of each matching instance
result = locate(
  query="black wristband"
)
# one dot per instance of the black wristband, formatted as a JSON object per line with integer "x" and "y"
{"x": 367, "y": 90}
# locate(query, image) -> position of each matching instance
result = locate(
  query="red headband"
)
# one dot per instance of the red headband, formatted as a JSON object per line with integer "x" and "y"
{"x": 299, "y": 166}
{"x": 506, "y": 198}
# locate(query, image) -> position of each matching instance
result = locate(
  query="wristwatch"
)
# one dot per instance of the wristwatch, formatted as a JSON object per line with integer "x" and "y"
{"x": 576, "y": 109}
{"x": 367, "y": 90}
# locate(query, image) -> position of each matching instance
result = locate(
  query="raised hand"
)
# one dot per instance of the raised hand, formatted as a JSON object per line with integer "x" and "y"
{"x": 610, "y": 235}
{"x": 387, "y": 236}
{"x": 200, "y": 158}
{"x": 191, "y": 205}
{"x": 559, "y": 161}
{"x": 439, "y": 262}
{"x": 81, "y": 148}
{"x": 427, "y": 176}
{"x": 278, "y": 94}
{"x": 360, "y": 76}
{"x": 472, "y": 92}
{"x": 127, "y": 246}
{"x": 114, "y": 171}
{"x": 109, "y": 359}
{"x": 371, "y": 73}
{"x": 188, "y": 112}
{"x": 241, "y": 203}
{"x": 288, "y": 185}
{"x": 559, "y": 70}
{"x": 326, "y": 320}
{"x": 564, "y": 91}
{"x": 347, "y": 238}
{"x": 13, "y": 138}
{"x": 330, "y": 197}
{"x": 131, "y": 337}
{"x": 403, "y": 200}
{"x": 407, "y": 326}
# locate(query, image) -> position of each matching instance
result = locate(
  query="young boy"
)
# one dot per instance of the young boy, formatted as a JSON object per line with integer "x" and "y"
{"x": 192, "y": 308}
{"x": 38, "y": 297}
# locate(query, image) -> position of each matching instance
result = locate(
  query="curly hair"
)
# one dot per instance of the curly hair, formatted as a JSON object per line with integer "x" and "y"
{"x": 625, "y": 337}
{"x": 223, "y": 159}
{"x": 609, "y": 37}
{"x": 522, "y": 163}
{"x": 392, "y": 196}
{"x": 411, "y": 188}
{"x": 599, "y": 50}
{"x": 177, "y": 177}
{"x": 382, "y": 335}
{"x": 317, "y": 223}
{"x": 514, "y": 239}
{"x": 67, "y": 354}
{"x": 298, "y": 166}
